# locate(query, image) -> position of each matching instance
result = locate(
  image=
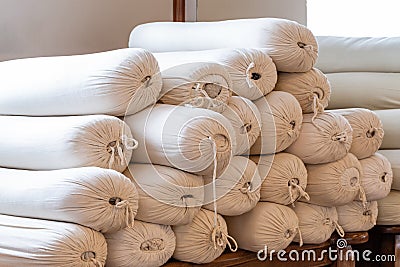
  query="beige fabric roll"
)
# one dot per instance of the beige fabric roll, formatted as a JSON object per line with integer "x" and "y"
{"x": 237, "y": 189}
{"x": 203, "y": 240}
{"x": 30, "y": 242}
{"x": 336, "y": 183}
{"x": 48, "y": 143}
{"x": 281, "y": 120}
{"x": 167, "y": 195}
{"x": 377, "y": 176}
{"x": 354, "y": 217}
{"x": 311, "y": 89}
{"x": 182, "y": 137}
{"x": 144, "y": 245}
{"x": 117, "y": 82}
{"x": 101, "y": 199}
{"x": 388, "y": 209}
{"x": 291, "y": 45}
{"x": 268, "y": 224}
{"x": 326, "y": 138}
{"x": 284, "y": 178}
{"x": 317, "y": 223}
{"x": 394, "y": 158}
{"x": 246, "y": 121}
{"x": 252, "y": 71}
{"x": 391, "y": 126}
{"x": 197, "y": 84}
{"x": 367, "y": 131}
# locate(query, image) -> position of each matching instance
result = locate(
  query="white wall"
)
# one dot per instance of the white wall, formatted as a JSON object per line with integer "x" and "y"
{"x": 209, "y": 10}
{"x": 62, "y": 27}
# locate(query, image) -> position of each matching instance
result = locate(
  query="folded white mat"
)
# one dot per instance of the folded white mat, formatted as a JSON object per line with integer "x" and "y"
{"x": 391, "y": 127}
{"x": 48, "y": 143}
{"x": 292, "y": 46}
{"x": 252, "y": 71}
{"x": 167, "y": 196}
{"x": 394, "y": 158}
{"x": 143, "y": 245}
{"x": 354, "y": 217}
{"x": 197, "y": 84}
{"x": 371, "y": 90}
{"x": 371, "y": 54}
{"x": 100, "y": 83}
{"x": 101, "y": 199}
{"x": 183, "y": 137}
{"x": 30, "y": 242}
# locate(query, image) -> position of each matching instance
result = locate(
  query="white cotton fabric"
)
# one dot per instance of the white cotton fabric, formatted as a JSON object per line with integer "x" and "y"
{"x": 281, "y": 120}
{"x": 48, "y": 143}
{"x": 197, "y": 84}
{"x": 117, "y": 82}
{"x": 143, "y": 245}
{"x": 182, "y": 137}
{"x": 101, "y": 199}
{"x": 317, "y": 223}
{"x": 391, "y": 126}
{"x": 167, "y": 196}
{"x": 367, "y": 131}
{"x": 252, "y": 71}
{"x": 394, "y": 158}
{"x": 311, "y": 89}
{"x": 30, "y": 242}
{"x": 325, "y": 138}
{"x": 201, "y": 241}
{"x": 388, "y": 209}
{"x": 354, "y": 217}
{"x": 368, "y": 54}
{"x": 292, "y": 46}
{"x": 237, "y": 189}
{"x": 371, "y": 90}
{"x": 268, "y": 224}
{"x": 336, "y": 183}
{"x": 246, "y": 121}
{"x": 284, "y": 178}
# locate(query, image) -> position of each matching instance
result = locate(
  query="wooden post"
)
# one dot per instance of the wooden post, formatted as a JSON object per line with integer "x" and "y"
{"x": 179, "y": 10}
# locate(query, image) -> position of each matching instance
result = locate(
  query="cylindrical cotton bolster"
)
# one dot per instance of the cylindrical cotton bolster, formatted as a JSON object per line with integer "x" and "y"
{"x": 48, "y": 143}
{"x": 197, "y": 84}
{"x": 291, "y": 45}
{"x": 391, "y": 127}
{"x": 394, "y": 158}
{"x": 356, "y": 217}
{"x": 167, "y": 196}
{"x": 101, "y": 199}
{"x": 117, "y": 82}
{"x": 252, "y": 71}
{"x": 145, "y": 244}
{"x": 388, "y": 209}
{"x": 182, "y": 137}
{"x": 30, "y": 242}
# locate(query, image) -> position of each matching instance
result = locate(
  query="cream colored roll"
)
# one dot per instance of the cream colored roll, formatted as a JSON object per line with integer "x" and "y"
{"x": 311, "y": 89}
{"x": 252, "y": 71}
{"x": 326, "y": 138}
{"x": 203, "y": 240}
{"x": 101, "y": 199}
{"x": 117, "y": 82}
{"x": 336, "y": 183}
{"x": 354, "y": 217}
{"x": 377, "y": 176}
{"x": 391, "y": 126}
{"x": 268, "y": 224}
{"x": 317, "y": 223}
{"x": 48, "y": 143}
{"x": 292, "y": 46}
{"x": 284, "y": 178}
{"x": 388, "y": 209}
{"x": 144, "y": 245}
{"x": 167, "y": 195}
{"x": 394, "y": 158}
{"x": 183, "y": 137}
{"x": 237, "y": 189}
{"x": 197, "y": 84}
{"x": 30, "y": 242}
{"x": 246, "y": 121}
{"x": 281, "y": 120}
{"x": 367, "y": 131}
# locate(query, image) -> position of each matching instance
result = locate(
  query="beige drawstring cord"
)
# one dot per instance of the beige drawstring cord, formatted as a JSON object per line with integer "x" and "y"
{"x": 300, "y": 236}
{"x": 317, "y": 108}
{"x": 129, "y": 215}
{"x": 362, "y": 196}
{"x": 248, "y": 79}
{"x": 96, "y": 262}
{"x": 339, "y": 229}
{"x": 301, "y": 191}
{"x": 116, "y": 150}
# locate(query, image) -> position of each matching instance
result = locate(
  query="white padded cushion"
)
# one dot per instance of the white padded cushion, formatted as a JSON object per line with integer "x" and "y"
{"x": 391, "y": 127}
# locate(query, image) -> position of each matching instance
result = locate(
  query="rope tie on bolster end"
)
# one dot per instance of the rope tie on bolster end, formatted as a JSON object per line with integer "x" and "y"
{"x": 338, "y": 228}
{"x": 301, "y": 191}
{"x": 90, "y": 256}
{"x": 126, "y": 140}
{"x": 300, "y": 236}
{"x": 307, "y": 47}
{"x": 317, "y": 108}
{"x": 146, "y": 81}
{"x": 340, "y": 137}
{"x": 96, "y": 262}
{"x": 117, "y": 149}
{"x": 246, "y": 188}
{"x": 129, "y": 215}
{"x": 362, "y": 196}
{"x": 368, "y": 213}
{"x": 248, "y": 78}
